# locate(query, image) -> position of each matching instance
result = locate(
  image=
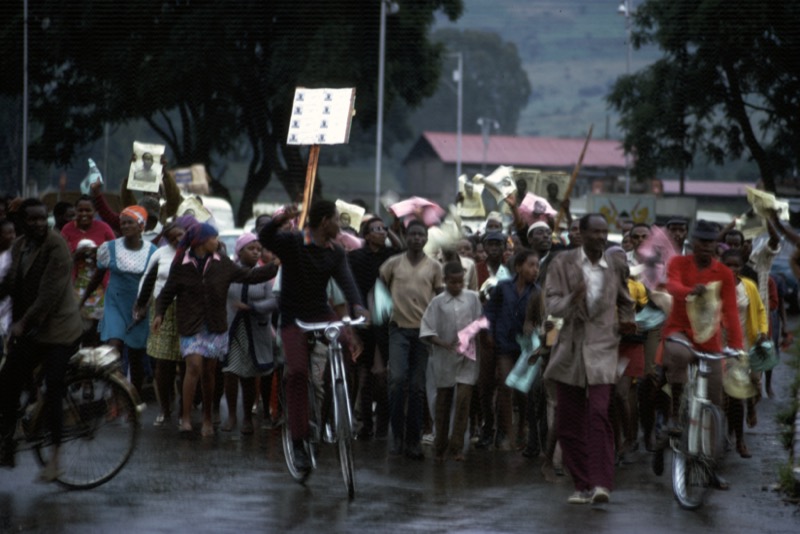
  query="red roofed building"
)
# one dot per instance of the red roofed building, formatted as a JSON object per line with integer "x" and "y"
{"x": 430, "y": 167}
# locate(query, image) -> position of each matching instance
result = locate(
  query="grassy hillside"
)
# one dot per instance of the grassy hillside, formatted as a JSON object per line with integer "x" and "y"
{"x": 573, "y": 50}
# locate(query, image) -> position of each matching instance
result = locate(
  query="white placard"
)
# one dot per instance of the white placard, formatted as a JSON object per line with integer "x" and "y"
{"x": 145, "y": 172}
{"x": 321, "y": 116}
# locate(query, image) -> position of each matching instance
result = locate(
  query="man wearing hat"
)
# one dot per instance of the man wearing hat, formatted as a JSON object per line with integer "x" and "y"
{"x": 489, "y": 272}
{"x": 689, "y": 276}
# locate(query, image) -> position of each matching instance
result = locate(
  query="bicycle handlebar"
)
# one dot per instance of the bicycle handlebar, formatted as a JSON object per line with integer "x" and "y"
{"x": 726, "y": 353}
{"x": 344, "y": 321}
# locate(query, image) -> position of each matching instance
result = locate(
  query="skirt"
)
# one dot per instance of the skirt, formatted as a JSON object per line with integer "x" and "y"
{"x": 165, "y": 344}
{"x": 206, "y": 344}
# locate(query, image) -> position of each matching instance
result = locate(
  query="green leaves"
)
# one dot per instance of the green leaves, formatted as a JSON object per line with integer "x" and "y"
{"x": 727, "y": 85}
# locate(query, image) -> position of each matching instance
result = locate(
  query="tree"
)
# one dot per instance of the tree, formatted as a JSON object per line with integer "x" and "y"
{"x": 729, "y": 82}
{"x": 226, "y": 70}
{"x": 495, "y": 84}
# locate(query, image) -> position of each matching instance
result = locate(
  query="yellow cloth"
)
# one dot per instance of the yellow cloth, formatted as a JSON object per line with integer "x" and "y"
{"x": 638, "y": 293}
{"x": 756, "y": 320}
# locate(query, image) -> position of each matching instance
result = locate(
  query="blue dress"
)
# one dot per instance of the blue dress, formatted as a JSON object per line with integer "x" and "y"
{"x": 126, "y": 268}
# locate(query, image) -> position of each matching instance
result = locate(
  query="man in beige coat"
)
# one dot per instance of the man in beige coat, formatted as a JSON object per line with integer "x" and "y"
{"x": 589, "y": 290}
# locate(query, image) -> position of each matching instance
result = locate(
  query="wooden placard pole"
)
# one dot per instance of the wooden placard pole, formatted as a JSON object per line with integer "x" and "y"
{"x": 311, "y": 178}
{"x": 573, "y": 178}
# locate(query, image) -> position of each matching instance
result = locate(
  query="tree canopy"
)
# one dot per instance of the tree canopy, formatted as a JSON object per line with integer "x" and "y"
{"x": 495, "y": 84}
{"x": 209, "y": 75}
{"x": 729, "y": 82}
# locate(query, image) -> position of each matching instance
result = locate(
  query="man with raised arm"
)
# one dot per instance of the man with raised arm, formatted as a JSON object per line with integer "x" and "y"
{"x": 309, "y": 259}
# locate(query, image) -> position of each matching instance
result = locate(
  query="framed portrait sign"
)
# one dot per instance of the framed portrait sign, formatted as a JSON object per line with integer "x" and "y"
{"x": 145, "y": 172}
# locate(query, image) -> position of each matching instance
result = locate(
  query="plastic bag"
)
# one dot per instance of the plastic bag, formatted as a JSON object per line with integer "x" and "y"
{"x": 763, "y": 357}
{"x": 523, "y": 374}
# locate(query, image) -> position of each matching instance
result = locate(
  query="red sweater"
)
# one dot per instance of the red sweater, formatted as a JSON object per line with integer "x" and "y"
{"x": 682, "y": 276}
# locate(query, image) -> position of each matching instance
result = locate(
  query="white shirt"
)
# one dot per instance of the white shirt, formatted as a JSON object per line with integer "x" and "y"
{"x": 5, "y": 304}
{"x": 163, "y": 258}
{"x": 593, "y": 275}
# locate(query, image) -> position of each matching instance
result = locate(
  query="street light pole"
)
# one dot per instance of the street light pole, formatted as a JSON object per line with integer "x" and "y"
{"x": 379, "y": 128}
{"x": 625, "y": 10}
{"x": 460, "y": 113}
{"x": 24, "y": 175}
{"x": 486, "y": 125}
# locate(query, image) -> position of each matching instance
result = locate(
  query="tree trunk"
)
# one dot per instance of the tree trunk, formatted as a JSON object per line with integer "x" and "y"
{"x": 739, "y": 113}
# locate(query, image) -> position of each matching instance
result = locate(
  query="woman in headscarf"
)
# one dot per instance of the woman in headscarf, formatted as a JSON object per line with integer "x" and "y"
{"x": 199, "y": 279}
{"x": 164, "y": 346}
{"x": 83, "y": 235}
{"x": 125, "y": 259}
{"x": 250, "y": 308}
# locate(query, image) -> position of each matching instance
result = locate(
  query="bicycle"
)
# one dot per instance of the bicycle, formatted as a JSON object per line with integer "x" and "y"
{"x": 100, "y": 421}
{"x": 696, "y": 452}
{"x": 342, "y": 432}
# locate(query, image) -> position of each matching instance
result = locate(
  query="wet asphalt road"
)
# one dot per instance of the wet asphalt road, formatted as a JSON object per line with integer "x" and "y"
{"x": 234, "y": 483}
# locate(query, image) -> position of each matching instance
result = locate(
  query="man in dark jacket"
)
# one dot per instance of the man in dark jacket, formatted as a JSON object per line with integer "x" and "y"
{"x": 46, "y": 325}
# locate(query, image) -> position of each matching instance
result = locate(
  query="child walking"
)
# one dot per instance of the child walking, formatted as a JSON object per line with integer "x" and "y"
{"x": 454, "y": 374}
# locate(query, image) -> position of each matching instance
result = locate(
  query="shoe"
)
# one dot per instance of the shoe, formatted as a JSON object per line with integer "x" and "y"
{"x": 49, "y": 473}
{"x": 161, "y": 420}
{"x": 600, "y": 495}
{"x": 486, "y": 439}
{"x": 743, "y": 451}
{"x": 752, "y": 418}
{"x": 301, "y": 460}
{"x": 414, "y": 452}
{"x": 428, "y": 439}
{"x": 503, "y": 444}
{"x": 396, "y": 448}
{"x": 531, "y": 452}
{"x": 580, "y": 497}
{"x": 717, "y": 482}
{"x": 674, "y": 428}
{"x": 8, "y": 459}
{"x": 658, "y": 462}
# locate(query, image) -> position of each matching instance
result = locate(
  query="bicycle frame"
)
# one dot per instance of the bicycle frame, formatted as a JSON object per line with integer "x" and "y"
{"x": 339, "y": 398}
{"x": 698, "y": 387}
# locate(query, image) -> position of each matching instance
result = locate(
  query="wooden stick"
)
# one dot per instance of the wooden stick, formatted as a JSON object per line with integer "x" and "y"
{"x": 572, "y": 179}
{"x": 311, "y": 178}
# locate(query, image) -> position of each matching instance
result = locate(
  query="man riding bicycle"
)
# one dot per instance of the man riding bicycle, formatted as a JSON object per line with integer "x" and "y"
{"x": 687, "y": 276}
{"x": 46, "y": 326}
{"x": 309, "y": 260}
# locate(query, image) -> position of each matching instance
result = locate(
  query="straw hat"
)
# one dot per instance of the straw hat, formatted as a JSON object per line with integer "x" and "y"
{"x": 736, "y": 380}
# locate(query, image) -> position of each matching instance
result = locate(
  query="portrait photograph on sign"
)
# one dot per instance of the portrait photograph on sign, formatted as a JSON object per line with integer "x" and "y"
{"x": 145, "y": 172}
{"x": 552, "y": 186}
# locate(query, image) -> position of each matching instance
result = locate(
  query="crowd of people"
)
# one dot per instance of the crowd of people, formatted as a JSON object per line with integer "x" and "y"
{"x": 451, "y": 327}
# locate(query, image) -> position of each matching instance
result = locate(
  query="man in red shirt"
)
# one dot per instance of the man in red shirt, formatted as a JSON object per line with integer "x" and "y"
{"x": 688, "y": 275}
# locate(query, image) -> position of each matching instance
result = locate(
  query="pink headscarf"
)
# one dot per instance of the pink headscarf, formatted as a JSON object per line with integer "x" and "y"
{"x": 244, "y": 240}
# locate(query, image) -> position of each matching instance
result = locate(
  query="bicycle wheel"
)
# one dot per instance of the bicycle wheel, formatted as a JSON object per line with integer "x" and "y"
{"x": 691, "y": 480}
{"x": 344, "y": 431}
{"x": 712, "y": 440}
{"x": 100, "y": 428}
{"x": 286, "y": 438}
